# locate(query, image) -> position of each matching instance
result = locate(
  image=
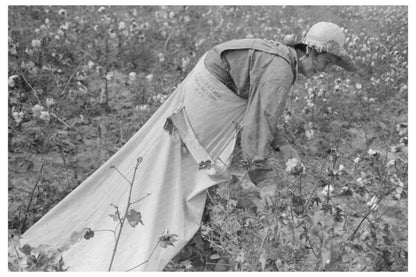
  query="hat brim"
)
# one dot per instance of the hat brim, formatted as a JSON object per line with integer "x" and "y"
{"x": 345, "y": 61}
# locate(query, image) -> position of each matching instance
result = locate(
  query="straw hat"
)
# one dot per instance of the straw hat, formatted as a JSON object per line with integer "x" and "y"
{"x": 325, "y": 37}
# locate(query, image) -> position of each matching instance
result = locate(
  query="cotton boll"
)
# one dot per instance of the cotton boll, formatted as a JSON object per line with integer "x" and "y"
{"x": 291, "y": 164}
{"x": 132, "y": 76}
{"x": 327, "y": 189}
{"x": 373, "y": 203}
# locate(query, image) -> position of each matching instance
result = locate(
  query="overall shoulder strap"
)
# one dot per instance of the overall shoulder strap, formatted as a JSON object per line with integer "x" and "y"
{"x": 268, "y": 46}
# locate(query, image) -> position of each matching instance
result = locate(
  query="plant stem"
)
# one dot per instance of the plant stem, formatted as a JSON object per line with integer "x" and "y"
{"x": 60, "y": 120}
{"x": 147, "y": 195}
{"x": 26, "y": 81}
{"x": 31, "y": 197}
{"x": 147, "y": 260}
{"x": 123, "y": 220}
{"x": 106, "y": 71}
{"x": 364, "y": 218}
{"x": 72, "y": 76}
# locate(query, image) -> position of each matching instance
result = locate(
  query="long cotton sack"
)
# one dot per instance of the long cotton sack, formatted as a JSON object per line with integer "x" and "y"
{"x": 170, "y": 173}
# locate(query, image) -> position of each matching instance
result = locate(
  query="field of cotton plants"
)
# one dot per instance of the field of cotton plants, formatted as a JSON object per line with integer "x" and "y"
{"x": 83, "y": 80}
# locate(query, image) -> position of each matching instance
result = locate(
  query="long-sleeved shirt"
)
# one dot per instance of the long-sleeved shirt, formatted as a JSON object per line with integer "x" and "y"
{"x": 262, "y": 72}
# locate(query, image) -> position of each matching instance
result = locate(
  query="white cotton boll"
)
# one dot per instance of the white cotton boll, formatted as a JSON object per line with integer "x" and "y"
{"x": 50, "y": 102}
{"x": 12, "y": 83}
{"x": 44, "y": 115}
{"x": 185, "y": 62}
{"x": 327, "y": 189}
{"x": 200, "y": 42}
{"x": 395, "y": 148}
{"x": 109, "y": 76}
{"x": 65, "y": 26}
{"x": 145, "y": 26}
{"x": 18, "y": 116}
{"x": 341, "y": 170}
{"x": 161, "y": 57}
{"x": 91, "y": 64}
{"x": 360, "y": 181}
{"x": 36, "y": 43}
{"x": 37, "y": 109}
{"x": 121, "y": 25}
{"x": 357, "y": 160}
{"x": 132, "y": 76}
{"x": 400, "y": 185}
{"x": 309, "y": 134}
{"x": 372, "y": 152}
{"x": 62, "y": 12}
{"x": 149, "y": 77}
{"x": 286, "y": 118}
{"x": 163, "y": 98}
{"x": 29, "y": 51}
{"x": 81, "y": 76}
{"x": 291, "y": 164}
{"x": 403, "y": 141}
{"x": 391, "y": 163}
{"x": 402, "y": 129}
{"x": 186, "y": 19}
{"x": 373, "y": 203}
{"x": 142, "y": 108}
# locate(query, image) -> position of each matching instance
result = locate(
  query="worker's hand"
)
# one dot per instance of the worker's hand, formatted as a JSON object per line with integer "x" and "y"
{"x": 268, "y": 194}
{"x": 290, "y": 153}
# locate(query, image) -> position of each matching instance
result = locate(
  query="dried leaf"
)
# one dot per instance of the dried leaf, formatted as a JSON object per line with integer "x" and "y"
{"x": 241, "y": 257}
{"x": 298, "y": 204}
{"x": 134, "y": 217}
{"x": 116, "y": 215}
{"x": 89, "y": 234}
{"x": 26, "y": 249}
{"x": 167, "y": 239}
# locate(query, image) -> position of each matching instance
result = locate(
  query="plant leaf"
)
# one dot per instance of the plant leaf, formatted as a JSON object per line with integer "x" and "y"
{"x": 263, "y": 260}
{"x": 215, "y": 257}
{"x": 115, "y": 216}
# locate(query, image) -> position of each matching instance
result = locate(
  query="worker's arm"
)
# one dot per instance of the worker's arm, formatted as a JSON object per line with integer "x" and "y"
{"x": 266, "y": 103}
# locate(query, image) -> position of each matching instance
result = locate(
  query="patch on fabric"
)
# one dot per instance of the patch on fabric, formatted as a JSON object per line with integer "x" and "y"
{"x": 168, "y": 126}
